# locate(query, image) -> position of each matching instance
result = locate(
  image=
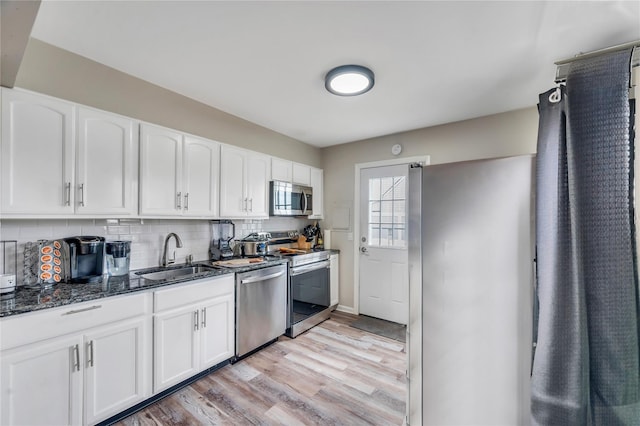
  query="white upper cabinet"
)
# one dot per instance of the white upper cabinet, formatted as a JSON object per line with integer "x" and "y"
{"x": 301, "y": 174}
{"x": 51, "y": 167}
{"x": 317, "y": 176}
{"x": 38, "y": 149}
{"x": 201, "y": 164}
{"x": 160, "y": 171}
{"x": 244, "y": 183}
{"x": 281, "y": 170}
{"x": 178, "y": 174}
{"x": 288, "y": 171}
{"x": 107, "y": 164}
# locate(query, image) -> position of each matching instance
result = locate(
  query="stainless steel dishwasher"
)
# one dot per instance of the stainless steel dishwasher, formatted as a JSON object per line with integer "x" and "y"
{"x": 261, "y": 307}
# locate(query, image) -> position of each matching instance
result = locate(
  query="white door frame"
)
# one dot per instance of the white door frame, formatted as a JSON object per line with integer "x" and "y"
{"x": 424, "y": 160}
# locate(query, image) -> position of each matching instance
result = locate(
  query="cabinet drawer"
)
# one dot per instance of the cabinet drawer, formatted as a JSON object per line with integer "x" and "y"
{"x": 194, "y": 292}
{"x": 32, "y": 327}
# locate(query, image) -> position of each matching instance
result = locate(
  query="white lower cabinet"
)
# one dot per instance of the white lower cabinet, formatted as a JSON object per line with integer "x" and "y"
{"x": 114, "y": 366}
{"x": 82, "y": 374}
{"x": 193, "y": 329}
{"x": 41, "y": 384}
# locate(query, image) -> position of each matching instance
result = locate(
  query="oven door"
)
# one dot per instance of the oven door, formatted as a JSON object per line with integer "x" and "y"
{"x": 310, "y": 283}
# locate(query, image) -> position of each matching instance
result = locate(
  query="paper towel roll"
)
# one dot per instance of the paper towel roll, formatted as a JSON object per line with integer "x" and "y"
{"x": 327, "y": 239}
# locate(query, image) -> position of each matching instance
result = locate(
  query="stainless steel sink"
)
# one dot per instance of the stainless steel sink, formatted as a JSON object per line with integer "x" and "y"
{"x": 175, "y": 273}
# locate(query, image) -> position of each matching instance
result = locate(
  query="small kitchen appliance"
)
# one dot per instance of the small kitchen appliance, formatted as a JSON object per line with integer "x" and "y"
{"x": 117, "y": 257}
{"x": 222, "y": 232}
{"x": 255, "y": 244}
{"x": 9, "y": 268}
{"x": 86, "y": 258}
{"x": 287, "y": 199}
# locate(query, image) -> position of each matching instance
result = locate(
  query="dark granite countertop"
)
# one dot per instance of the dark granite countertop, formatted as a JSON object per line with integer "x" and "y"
{"x": 28, "y": 299}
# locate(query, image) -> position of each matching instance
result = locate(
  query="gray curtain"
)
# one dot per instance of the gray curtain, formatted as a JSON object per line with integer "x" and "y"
{"x": 586, "y": 367}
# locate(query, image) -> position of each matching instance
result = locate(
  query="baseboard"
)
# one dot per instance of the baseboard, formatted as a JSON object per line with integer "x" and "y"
{"x": 345, "y": 309}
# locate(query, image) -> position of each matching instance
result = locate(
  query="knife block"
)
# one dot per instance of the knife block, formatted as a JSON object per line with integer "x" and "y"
{"x": 303, "y": 244}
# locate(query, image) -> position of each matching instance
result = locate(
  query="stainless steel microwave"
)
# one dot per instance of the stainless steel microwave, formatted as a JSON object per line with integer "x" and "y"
{"x": 287, "y": 199}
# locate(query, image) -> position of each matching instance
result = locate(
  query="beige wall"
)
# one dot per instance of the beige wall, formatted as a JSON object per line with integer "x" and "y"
{"x": 500, "y": 135}
{"x": 60, "y": 73}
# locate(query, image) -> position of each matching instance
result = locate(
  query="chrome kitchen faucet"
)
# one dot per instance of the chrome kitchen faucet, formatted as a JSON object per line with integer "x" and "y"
{"x": 166, "y": 261}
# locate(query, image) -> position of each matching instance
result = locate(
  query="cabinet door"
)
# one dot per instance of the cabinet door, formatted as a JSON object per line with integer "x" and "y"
{"x": 201, "y": 171}
{"x": 334, "y": 279}
{"x": 116, "y": 363}
{"x": 107, "y": 164}
{"x": 281, "y": 170}
{"x": 301, "y": 174}
{"x": 175, "y": 350}
{"x": 41, "y": 383}
{"x": 258, "y": 170}
{"x": 160, "y": 171}
{"x": 233, "y": 199}
{"x": 37, "y": 154}
{"x": 217, "y": 339}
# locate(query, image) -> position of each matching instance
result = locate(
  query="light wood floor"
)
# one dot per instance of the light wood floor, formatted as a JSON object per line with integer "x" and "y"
{"x": 331, "y": 375}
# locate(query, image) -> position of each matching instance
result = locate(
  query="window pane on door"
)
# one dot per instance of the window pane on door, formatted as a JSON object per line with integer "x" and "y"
{"x": 387, "y": 212}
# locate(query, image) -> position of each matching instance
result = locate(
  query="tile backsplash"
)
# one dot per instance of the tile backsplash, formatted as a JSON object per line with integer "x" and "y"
{"x": 146, "y": 236}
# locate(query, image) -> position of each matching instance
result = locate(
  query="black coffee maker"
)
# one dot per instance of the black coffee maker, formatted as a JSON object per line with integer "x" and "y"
{"x": 86, "y": 258}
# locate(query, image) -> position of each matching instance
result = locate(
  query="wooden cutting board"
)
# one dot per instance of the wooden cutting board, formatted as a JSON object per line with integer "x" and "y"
{"x": 239, "y": 263}
{"x": 290, "y": 250}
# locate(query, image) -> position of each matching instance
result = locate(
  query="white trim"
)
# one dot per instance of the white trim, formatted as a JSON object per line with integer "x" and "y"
{"x": 345, "y": 309}
{"x": 424, "y": 160}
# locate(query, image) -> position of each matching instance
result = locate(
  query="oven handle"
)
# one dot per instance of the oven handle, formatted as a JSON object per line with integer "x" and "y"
{"x": 261, "y": 278}
{"x": 308, "y": 268}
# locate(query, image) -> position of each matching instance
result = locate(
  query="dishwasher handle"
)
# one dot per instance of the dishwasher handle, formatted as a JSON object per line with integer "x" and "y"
{"x": 261, "y": 278}
{"x": 311, "y": 267}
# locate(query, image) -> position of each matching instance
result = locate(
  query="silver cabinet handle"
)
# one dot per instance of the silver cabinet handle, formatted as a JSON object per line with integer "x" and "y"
{"x": 245, "y": 205}
{"x": 179, "y": 200}
{"x": 186, "y": 201}
{"x": 82, "y": 194}
{"x": 77, "y": 311}
{"x": 204, "y": 317}
{"x": 76, "y": 357}
{"x": 67, "y": 196}
{"x": 251, "y": 205}
{"x": 261, "y": 278}
{"x": 195, "y": 322}
{"x": 90, "y": 354}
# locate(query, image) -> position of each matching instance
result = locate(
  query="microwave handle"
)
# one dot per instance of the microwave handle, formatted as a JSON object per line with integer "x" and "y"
{"x": 304, "y": 206}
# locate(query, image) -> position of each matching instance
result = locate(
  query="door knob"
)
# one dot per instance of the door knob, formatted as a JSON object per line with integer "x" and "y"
{"x": 363, "y": 250}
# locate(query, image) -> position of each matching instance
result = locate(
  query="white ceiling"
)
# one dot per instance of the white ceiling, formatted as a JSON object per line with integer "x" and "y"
{"x": 264, "y": 61}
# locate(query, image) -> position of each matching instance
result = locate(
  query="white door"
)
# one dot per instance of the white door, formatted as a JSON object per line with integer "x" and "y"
{"x": 41, "y": 384}
{"x": 115, "y": 359}
{"x": 107, "y": 164}
{"x": 384, "y": 282}
{"x": 233, "y": 201}
{"x": 174, "y": 344}
{"x": 201, "y": 171}
{"x": 216, "y": 331}
{"x": 160, "y": 171}
{"x": 38, "y": 147}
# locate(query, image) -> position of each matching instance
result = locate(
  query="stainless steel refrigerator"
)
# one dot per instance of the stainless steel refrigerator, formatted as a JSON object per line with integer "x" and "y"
{"x": 471, "y": 251}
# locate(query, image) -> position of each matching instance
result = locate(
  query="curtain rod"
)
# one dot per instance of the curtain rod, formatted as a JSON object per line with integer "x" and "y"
{"x": 563, "y": 66}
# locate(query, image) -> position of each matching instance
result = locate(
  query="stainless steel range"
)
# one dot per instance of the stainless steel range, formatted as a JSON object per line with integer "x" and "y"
{"x": 309, "y": 291}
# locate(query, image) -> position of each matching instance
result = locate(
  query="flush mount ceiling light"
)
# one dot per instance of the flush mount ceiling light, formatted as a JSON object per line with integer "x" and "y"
{"x": 349, "y": 80}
